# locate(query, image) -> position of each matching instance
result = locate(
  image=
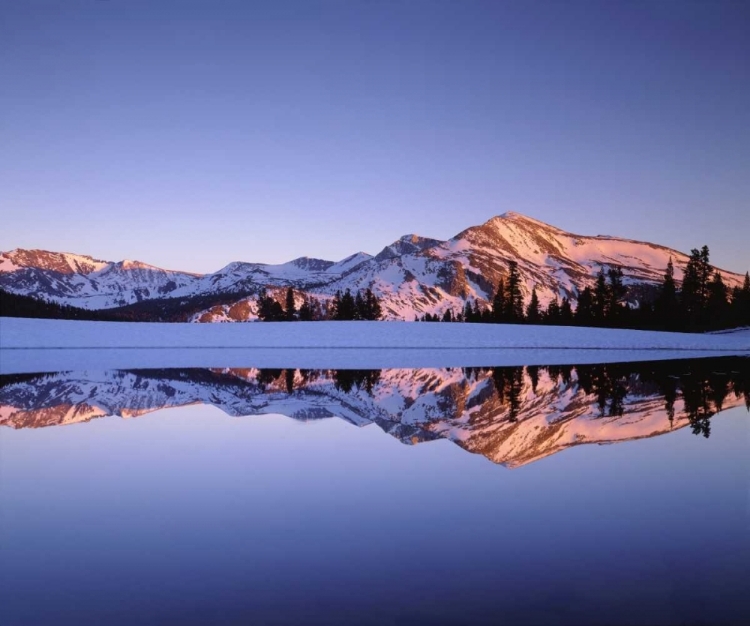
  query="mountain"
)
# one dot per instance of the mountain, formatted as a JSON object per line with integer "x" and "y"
{"x": 411, "y": 276}
{"x": 510, "y": 415}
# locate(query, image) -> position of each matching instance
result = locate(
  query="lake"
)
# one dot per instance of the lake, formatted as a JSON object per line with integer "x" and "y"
{"x": 479, "y": 495}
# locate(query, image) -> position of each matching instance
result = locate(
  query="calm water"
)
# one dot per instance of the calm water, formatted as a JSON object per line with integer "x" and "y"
{"x": 435, "y": 496}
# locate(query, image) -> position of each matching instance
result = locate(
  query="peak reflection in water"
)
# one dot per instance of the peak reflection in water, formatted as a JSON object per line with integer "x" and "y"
{"x": 511, "y": 415}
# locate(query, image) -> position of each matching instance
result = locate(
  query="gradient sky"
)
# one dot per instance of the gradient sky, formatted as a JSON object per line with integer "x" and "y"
{"x": 191, "y": 134}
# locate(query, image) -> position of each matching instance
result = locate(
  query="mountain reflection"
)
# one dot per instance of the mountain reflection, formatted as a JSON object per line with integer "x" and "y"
{"x": 511, "y": 415}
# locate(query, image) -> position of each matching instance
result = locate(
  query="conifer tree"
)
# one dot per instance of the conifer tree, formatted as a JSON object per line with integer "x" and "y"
{"x": 552, "y": 314}
{"x": 290, "y": 307}
{"x": 666, "y": 305}
{"x": 477, "y": 312}
{"x": 717, "y": 306}
{"x": 346, "y": 309}
{"x": 360, "y": 308}
{"x": 601, "y": 299}
{"x": 566, "y": 312}
{"x": 694, "y": 294}
{"x": 741, "y": 303}
{"x": 498, "y": 303}
{"x": 305, "y": 311}
{"x": 616, "y": 292}
{"x": 533, "y": 314}
{"x": 513, "y": 295}
{"x": 584, "y": 315}
{"x": 268, "y": 309}
{"x": 373, "y": 309}
{"x": 468, "y": 312}
{"x": 333, "y": 309}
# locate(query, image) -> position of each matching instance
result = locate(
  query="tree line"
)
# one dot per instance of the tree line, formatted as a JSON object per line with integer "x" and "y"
{"x": 363, "y": 305}
{"x": 703, "y": 392}
{"x": 703, "y": 303}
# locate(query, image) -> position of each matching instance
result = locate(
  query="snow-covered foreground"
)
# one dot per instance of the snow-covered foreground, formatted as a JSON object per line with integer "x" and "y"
{"x": 27, "y": 345}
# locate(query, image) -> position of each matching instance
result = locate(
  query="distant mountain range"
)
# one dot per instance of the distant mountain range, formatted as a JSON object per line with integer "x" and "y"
{"x": 511, "y": 415}
{"x": 411, "y": 276}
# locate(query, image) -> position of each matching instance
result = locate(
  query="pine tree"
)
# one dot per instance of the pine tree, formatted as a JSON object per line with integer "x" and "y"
{"x": 477, "y": 312}
{"x": 373, "y": 308}
{"x": 666, "y": 305}
{"x": 498, "y": 303}
{"x": 305, "y": 311}
{"x": 268, "y": 309}
{"x": 533, "y": 314}
{"x": 291, "y": 310}
{"x": 552, "y": 314}
{"x": 447, "y": 316}
{"x": 360, "y": 308}
{"x": 335, "y": 305}
{"x": 513, "y": 295}
{"x": 717, "y": 307}
{"x": 694, "y": 294}
{"x": 346, "y": 309}
{"x": 566, "y": 312}
{"x": 468, "y": 312}
{"x": 601, "y": 299}
{"x": 616, "y": 292}
{"x": 584, "y": 315}
{"x": 741, "y": 303}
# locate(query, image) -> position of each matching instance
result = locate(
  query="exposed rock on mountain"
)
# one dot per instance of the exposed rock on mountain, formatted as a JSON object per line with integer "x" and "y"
{"x": 411, "y": 276}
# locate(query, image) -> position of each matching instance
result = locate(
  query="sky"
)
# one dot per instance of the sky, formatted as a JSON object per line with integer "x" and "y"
{"x": 191, "y": 134}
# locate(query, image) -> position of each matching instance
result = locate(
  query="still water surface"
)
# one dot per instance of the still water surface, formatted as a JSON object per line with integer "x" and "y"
{"x": 248, "y": 503}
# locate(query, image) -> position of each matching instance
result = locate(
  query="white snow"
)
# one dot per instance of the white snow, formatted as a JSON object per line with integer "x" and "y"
{"x": 26, "y": 343}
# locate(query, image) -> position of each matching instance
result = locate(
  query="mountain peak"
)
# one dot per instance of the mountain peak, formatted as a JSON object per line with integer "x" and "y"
{"x": 61, "y": 262}
{"x": 520, "y": 218}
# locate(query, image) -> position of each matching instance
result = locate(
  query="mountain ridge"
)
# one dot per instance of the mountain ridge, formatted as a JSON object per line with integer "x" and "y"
{"x": 412, "y": 276}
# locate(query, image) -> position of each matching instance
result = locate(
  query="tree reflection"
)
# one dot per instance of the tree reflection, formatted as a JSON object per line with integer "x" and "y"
{"x": 693, "y": 390}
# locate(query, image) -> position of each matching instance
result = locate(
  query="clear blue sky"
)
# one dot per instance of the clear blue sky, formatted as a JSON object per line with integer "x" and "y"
{"x": 191, "y": 134}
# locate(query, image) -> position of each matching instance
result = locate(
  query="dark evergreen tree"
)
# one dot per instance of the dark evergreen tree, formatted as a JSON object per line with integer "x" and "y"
{"x": 601, "y": 299}
{"x": 305, "y": 311}
{"x": 477, "y": 312}
{"x": 360, "y": 308}
{"x": 584, "y": 315}
{"x": 552, "y": 314}
{"x": 347, "y": 309}
{"x": 616, "y": 292}
{"x": 291, "y": 309}
{"x": 513, "y": 295}
{"x": 498, "y": 303}
{"x": 533, "y": 313}
{"x": 373, "y": 309}
{"x": 447, "y": 316}
{"x": 717, "y": 307}
{"x": 334, "y": 306}
{"x": 694, "y": 294}
{"x": 666, "y": 307}
{"x": 566, "y": 312}
{"x": 740, "y": 313}
{"x": 468, "y": 312}
{"x": 269, "y": 310}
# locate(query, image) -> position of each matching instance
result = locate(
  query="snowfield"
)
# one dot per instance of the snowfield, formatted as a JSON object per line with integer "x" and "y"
{"x": 27, "y": 345}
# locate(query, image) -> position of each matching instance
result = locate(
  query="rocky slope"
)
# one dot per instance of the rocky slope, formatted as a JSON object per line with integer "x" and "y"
{"x": 412, "y": 276}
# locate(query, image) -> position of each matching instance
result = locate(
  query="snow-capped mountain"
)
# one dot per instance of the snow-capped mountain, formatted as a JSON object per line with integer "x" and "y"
{"x": 86, "y": 282}
{"x": 511, "y": 415}
{"x": 411, "y": 276}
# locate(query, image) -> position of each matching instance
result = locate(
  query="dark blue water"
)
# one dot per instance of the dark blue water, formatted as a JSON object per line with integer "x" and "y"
{"x": 188, "y": 515}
